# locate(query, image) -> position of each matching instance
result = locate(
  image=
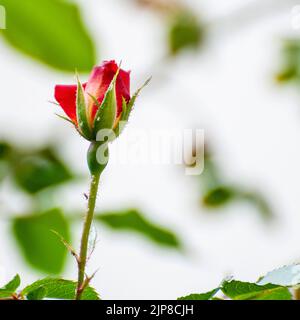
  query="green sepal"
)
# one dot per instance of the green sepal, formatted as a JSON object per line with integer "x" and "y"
{"x": 96, "y": 149}
{"x": 107, "y": 111}
{"x": 81, "y": 113}
{"x": 64, "y": 118}
{"x": 127, "y": 108}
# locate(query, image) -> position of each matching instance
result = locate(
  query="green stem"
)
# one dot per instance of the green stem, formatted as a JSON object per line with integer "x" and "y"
{"x": 85, "y": 234}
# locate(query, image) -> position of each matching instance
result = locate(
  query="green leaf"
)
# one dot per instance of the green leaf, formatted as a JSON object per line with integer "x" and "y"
{"x": 185, "y": 32}
{"x": 238, "y": 290}
{"x": 290, "y": 69}
{"x": 5, "y": 150}
{"x": 218, "y": 193}
{"x": 202, "y": 296}
{"x": 132, "y": 220}
{"x": 61, "y": 289}
{"x": 12, "y": 285}
{"x": 50, "y": 31}
{"x": 81, "y": 111}
{"x": 37, "y": 294}
{"x": 5, "y": 161}
{"x": 106, "y": 114}
{"x": 5, "y": 293}
{"x": 218, "y": 197}
{"x": 285, "y": 276}
{"x": 40, "y": 247}
{"x": 10, "y": 288}
{"x": 257, "y": 200}
{"x": 38, "y": 170}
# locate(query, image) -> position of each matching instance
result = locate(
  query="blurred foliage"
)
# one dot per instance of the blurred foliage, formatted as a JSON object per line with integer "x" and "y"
{"x": 133, "y": 220}
{"x": 33, "y": 170}
{"x": 290, "y": 70}
{"x": 218, "y": 196}
{"x": 223, "y": 195}
{"x": 5, "y": 151}
{"x": 185, "y": 32}
{"x": 41, "y": 248}
{"x": 217, "y": 192}
{"x": 50, "y": 31}
{"x": 38, "y": 170}
{"x": 184, "y": 28}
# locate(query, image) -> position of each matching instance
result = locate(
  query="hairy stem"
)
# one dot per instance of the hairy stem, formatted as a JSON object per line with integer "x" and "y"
{"x": 85, "y": 234}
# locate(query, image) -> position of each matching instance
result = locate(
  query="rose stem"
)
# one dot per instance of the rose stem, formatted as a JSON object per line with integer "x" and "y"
{"x": 85, "y": 234}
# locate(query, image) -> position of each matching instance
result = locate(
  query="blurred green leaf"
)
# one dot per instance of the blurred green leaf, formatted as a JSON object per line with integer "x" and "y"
{"x": 50, "y": 31}
{"x": 201, "y": 296}
{"x": 238, "y": 290}
{"x": 185, "y": 32}
{"x": 290, "y": 69}
{"x": 37, "y": 294}
{"x": 5, "y": 153}
{"x": 218, "y": 197}
{"x": 285, "y": 276}
{"x": 257, "y": 200}
{"x": 222, "y": 195}
{"x": 60, "y": 289}
{"x": 5, "y": 150}
{"x": 132, "y": 220}
{"x": 41, "y": 247}
{"x": 3, "y": 169}
{"x": 216, "y": 192}
{"x": 39, "y": 170}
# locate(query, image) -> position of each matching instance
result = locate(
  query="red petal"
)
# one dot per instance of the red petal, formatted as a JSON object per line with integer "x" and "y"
{"x": 65, "y": 95}
{"x": 99, "y": 82}
{"x": 122, "y": 89}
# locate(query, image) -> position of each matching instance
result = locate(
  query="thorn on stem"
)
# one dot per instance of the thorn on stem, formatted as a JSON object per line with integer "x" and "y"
{"x": 67, "y": 245}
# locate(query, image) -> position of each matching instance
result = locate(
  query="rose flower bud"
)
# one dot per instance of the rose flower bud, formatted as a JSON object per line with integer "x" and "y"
{"x": 99, "y": 103}
{"x": 100, "y": 108}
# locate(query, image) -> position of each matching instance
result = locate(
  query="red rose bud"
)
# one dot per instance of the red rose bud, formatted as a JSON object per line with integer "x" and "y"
{"x": 102, "y": 103}
{"x": 97, "y": 104}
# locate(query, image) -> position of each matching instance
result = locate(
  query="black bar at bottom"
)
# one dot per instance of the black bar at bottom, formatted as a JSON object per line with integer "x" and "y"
{"x": 121, "y": 309}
